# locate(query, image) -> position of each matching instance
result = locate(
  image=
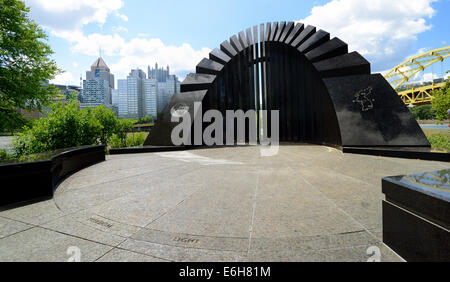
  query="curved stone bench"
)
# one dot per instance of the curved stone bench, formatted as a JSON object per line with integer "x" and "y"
{"x": 38, "y": 179}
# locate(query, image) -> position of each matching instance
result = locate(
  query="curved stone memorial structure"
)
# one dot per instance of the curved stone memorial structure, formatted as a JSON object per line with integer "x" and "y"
{"x": 324, "y": 94}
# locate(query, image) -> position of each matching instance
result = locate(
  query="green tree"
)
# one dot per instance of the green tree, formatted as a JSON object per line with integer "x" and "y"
{"x": 145, "y": 120}
{"x": 25, "y": 64}
{"x": 441, "y": 102}
{"x": 424, "y": 112}
{"x": 125, "y": 126}
{"x": 108, "y": 121}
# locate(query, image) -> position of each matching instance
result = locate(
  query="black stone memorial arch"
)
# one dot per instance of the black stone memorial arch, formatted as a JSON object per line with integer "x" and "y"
{"x": 324, "y": 94}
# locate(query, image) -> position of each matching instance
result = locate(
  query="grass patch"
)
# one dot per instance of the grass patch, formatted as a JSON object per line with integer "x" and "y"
{"x": 439, "y": 139}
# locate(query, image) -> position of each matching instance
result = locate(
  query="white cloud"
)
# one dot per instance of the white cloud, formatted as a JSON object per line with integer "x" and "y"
{"x": 141, "y": 52}
{"x": 65, "y": 78}
{"x": 65, "y": 17}
{"x": 123, "y": 17}
{"x": 120, "y": 29}
{"x": 111, "y": 45}
{"x": 143, "y": 35}
{"x": 381, "y": 30}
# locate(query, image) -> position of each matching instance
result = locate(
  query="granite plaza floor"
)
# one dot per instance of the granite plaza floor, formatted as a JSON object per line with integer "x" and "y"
{"x": 308, "y": 203}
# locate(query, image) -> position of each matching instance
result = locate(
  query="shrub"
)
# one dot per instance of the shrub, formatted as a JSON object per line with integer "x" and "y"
{"x": 145, "y": 120}
{"x": 66, "y": 126}
{"x": 136, "y": 139}
{"x": 131, "y": 140}
{"x": 4, "y": 156}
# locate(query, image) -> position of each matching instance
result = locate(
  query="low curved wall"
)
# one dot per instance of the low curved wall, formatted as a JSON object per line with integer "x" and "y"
{"x": 21, "y": 182}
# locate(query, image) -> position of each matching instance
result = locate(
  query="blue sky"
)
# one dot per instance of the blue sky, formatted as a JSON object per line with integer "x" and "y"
{"x": 137, "y": 33}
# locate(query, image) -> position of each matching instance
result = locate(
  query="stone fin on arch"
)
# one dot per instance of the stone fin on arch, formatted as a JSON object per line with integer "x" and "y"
{"x": 196, "y": 82}
{"x": 314, "y": 41}
{"x": 343, "y": 65}
{"x": 228, "y": 49}
{"x": 280, "y": 31}
{"x": 207, "y": 66}
{"x": 286, "y": 31}
{"x": 303, "y": 36}
{"x": 219, "y": 57}
{"x": 234, "y": 41}
{"x": 333, "y": 48}
{"x": 294, "y": 33}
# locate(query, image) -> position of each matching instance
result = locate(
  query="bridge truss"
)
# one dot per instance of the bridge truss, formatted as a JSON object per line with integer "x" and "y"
{"x": 403, "y": 73}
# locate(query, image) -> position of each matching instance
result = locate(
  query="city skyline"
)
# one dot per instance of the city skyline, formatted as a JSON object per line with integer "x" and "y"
{"x": 142, "y": 94}
{"x": 387, "y": 32}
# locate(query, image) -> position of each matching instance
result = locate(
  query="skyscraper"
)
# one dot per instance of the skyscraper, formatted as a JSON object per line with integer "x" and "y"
{"x": 123, "y": 98}
{"x": 166, "y": 90}
{"x": 160, "y": 74}
{"x": 140, "y": 96}
{"x": 98, "y": 84}
{"x": 150, "y": 98}
{"x": 137, "y": 96}
{"x": 167, "y": 85}
{"x": 134, "y": 93}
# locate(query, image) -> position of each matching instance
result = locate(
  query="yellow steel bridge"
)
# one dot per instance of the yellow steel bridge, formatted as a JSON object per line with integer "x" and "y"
{"x": 417, "y": 94}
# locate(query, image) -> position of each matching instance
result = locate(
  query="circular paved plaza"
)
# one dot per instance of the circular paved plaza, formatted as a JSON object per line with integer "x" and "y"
{"x": 308, "y": 203}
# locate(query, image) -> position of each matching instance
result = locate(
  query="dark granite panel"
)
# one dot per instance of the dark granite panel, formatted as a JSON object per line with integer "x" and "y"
{"x": 303, "y": 36}
{"x": 162, "y": 132}
{"x": 345, "y": 65}
{"x": 425, "y": 194}
{"x": 315, "y": 40}
{"x": 413, "y": 238}
{"x": 371, "y": 113}
{"x": 333, "y": 48}
{"x": 415, "y": 153}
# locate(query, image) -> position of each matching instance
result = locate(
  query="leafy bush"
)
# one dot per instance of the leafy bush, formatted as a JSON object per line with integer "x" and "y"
{"x": 424, "y": 112}
{"x": 66, "y": 126}
{"x": 441, "y": 102}
{"x": 136, "y": 139}
{"x": 145, "y": 120}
